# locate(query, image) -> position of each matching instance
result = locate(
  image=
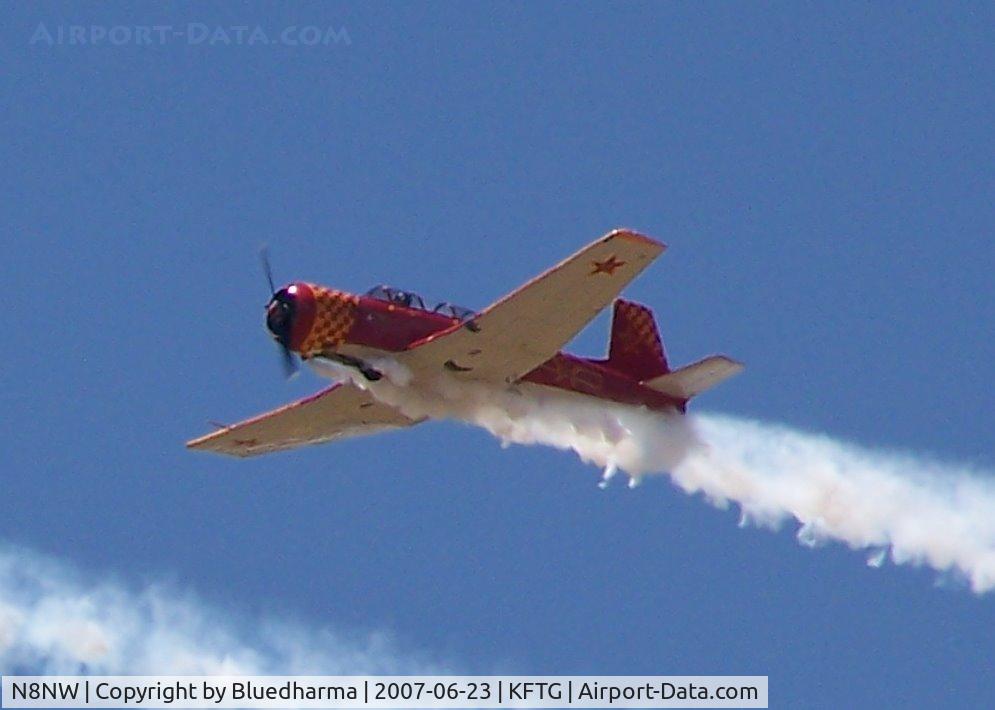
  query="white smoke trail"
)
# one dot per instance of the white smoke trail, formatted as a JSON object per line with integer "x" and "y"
{"x": 919, "y": 511}
{"x": 55, "y": 621}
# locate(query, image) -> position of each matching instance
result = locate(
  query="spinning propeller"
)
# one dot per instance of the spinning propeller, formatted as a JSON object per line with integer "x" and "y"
{"x": 279, "y": 316}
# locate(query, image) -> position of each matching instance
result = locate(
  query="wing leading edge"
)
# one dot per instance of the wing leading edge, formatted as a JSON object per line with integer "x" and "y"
{"x": 338, "y": 412}
{"x": 530, "y": 325}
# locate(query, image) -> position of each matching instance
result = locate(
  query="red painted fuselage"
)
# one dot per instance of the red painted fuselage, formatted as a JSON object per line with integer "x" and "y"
{"x": 332, "y": 322}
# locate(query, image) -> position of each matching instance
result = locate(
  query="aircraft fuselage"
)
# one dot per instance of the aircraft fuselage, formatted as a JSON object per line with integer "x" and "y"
{"x": 334, "y": 323}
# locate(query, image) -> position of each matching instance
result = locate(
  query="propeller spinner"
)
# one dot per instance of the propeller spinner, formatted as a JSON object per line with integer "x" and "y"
{"x": 280, "y": 313}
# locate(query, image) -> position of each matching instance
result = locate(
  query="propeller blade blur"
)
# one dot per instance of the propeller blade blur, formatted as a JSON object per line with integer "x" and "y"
{"x": 267, "y": 269}
{"x": 289, "y": 363}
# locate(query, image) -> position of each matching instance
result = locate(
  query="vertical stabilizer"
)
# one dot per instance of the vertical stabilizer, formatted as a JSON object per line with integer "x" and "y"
{"x": 635, "y": 347}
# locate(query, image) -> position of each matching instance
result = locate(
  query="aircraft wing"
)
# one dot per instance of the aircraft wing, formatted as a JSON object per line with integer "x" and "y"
{"x": 341, "y": 411}
{"x": 530, "y": 325}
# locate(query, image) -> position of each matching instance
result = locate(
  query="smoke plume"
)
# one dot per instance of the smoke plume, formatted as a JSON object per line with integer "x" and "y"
{"x": 913, "y": 509}
{"x": 54, "y": 620}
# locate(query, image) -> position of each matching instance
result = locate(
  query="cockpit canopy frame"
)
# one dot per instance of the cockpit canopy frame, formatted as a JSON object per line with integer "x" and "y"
{"x": 410, "y": 299}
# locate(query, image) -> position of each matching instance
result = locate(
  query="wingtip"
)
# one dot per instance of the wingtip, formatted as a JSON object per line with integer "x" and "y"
{"x": 735, "y": 366}
{"x": 200, "y": 441}
{"x": 634, "y": 236}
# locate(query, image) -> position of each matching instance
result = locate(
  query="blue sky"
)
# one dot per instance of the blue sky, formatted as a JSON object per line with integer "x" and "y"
{"x": 821, "y": 173}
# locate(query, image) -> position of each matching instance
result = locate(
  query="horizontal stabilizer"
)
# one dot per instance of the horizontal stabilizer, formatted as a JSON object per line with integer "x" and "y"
{"x": 694, "y": 379}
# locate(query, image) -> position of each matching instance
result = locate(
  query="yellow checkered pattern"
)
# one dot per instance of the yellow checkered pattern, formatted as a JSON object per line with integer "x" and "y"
{"x": 335, "y": 312}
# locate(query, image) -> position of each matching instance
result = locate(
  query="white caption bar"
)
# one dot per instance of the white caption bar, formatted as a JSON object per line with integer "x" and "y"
{"x": 384, "y": 692}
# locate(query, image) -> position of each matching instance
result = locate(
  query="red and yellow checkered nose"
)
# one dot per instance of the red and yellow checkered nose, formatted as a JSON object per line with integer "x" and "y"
{"x": 325, "y": 319}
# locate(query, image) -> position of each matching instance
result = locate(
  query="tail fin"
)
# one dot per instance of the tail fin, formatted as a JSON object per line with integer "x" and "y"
{"x": 688, "y": 381}
{"x": 635, "y": 347}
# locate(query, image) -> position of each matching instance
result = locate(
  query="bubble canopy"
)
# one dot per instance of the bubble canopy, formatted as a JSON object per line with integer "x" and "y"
{"x": 410, "y": 299}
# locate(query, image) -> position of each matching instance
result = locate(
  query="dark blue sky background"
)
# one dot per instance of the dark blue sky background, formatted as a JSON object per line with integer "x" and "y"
{"x": 822, "y": 173}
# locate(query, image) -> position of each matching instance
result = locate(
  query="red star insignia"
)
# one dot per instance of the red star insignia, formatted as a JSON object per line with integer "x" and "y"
{"x": 607, "y": 266}
{"x": 245, "y": 442}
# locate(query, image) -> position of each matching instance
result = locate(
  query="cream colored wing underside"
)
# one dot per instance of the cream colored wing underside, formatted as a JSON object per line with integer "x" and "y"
{"x": 527, "y": 327}
{"x": 339, "y": 412}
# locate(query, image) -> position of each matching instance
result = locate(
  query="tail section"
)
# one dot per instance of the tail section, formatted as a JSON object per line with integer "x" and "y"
{"x": 635, "y": 346}
{"x": 635, "y": 349}
{"x": 686, "y": 382}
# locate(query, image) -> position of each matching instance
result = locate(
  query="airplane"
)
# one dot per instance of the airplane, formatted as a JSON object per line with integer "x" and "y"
{"x": 514, "y": 343}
